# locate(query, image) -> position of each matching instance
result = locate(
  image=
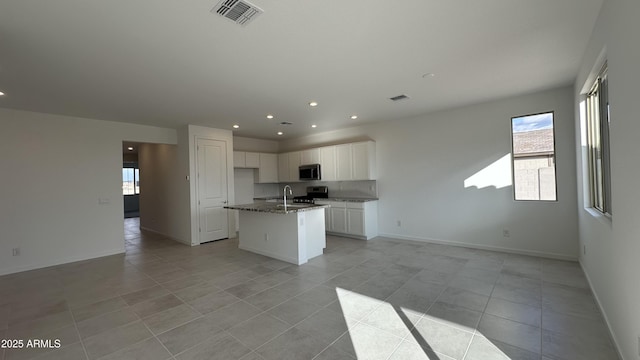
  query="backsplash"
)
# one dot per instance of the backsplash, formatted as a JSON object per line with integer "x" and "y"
{"x": 357, "y": 189}
{"x": 262, "y": 190}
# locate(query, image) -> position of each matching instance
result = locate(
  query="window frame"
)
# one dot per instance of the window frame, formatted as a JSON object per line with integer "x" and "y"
{"x": 599, "y": 142}
{"x": 555, "y": 158}
{"x": 136, "y": 179}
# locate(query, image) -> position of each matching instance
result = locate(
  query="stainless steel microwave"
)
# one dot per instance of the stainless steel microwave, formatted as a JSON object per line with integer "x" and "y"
{"x": 310, "y": 172}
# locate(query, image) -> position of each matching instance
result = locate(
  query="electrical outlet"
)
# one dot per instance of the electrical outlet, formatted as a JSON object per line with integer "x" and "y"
{"x": 584, "y": 249}
{"x": 398, "y": 223}
{"x": 266, "y": 237}
{"x": 506, "y": 233}
{"x": 16, "y": 251}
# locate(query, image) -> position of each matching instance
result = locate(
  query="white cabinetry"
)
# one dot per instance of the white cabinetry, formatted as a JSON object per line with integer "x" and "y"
{"x": 328, "y": 163}
{"x": 239, "y": 159}
{"x": 295, "y": 158}
{"x": 311, "y": 156}
{"x": 252, "y": 160}
{"x": 343, "y": 162}
{"x": 355, "y": 219}
{"x": 356, "y": 161}
{"x": 338, "y": 217}
{"x": 283, "y": 167}
{"x": 267, "y": 165}
{"x": 363, "y": 159}
{"x": 352, "y": 219}
{"x": 242, "y": 159}
{"x": 268, "y": 169}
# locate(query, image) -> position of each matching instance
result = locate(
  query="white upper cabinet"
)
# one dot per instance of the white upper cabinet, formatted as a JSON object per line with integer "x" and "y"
{"x": 268, "y": 170}
{"x": 310, "y": 156}
{"x": 252, "y": 160}
{"x": 344, "y": 162}
{"x": 356, "y": 161}
{"x": 295, "y": 158}
{"x": 283, "y": 167}
{"x": 353, "y": 161}
{"x": 242, "y": 159}
{"x": 328, "y": 163}
{"x": 363, "y": 156}
{"x": 239, "y": 159}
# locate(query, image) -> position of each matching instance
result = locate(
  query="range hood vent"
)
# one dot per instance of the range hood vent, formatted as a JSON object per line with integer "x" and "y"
{"x": 239, "y": 11}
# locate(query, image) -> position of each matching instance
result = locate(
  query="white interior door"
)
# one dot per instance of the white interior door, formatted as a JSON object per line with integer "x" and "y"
{"x": 212, "y": 189}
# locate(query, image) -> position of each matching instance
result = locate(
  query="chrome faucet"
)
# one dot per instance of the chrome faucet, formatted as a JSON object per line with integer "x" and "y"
{"x": 285, "y": 195}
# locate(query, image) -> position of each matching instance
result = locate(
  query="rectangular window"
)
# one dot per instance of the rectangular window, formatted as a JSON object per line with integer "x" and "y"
{"x": 598, "y": 143}
{"x": 130, "y": 181}
{"x": 534, "y": 157}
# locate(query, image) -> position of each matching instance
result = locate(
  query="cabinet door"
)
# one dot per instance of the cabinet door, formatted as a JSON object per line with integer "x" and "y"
{"x": 294, "y": 165}
{"x": 283, "y": 167}
{"x": 328, "y": 163}
{"x": 360, "y": 160}
{"x": 327, "y": 214}
{"x": 268, "y": 170}
{"x": 311, "y": 156}
{"x": 239, "y": 159}
{"x": 338, "y": 219}
{"x": 355, "y": 221}
{"x": 252, "y": 160}
{"x": 344, "y": 162}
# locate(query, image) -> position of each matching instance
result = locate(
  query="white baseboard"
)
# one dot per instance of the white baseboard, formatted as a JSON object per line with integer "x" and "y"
{"x": 62, "y": 261}
{"x": 604, "y": 314}
{"x": 164, "y": 235}
{"x": 484, "y": 247}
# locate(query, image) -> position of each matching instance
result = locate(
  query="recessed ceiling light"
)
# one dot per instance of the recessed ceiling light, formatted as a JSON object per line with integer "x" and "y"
{"x": 428, "y": 75}
{"x": 313, "y": 104}
{"x": 269, "y": 116}
{"x": 130, "y": 148}
{"x": 353, "y": 117}
{"x": 280, "y": 133}
{"x": 314, "y": 126}
{"x": 236, "y": 126}
{"x": 1, "y": 93}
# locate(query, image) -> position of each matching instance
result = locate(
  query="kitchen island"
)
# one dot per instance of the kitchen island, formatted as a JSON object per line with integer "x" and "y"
{"x": 295, "y": 234}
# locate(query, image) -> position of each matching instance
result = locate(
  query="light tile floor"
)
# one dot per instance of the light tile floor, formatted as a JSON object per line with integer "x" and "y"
{"x": 381, "y": 299}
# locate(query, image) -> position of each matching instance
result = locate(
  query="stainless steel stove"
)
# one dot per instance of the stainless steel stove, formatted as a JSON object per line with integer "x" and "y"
{"x": 313, "y": 192}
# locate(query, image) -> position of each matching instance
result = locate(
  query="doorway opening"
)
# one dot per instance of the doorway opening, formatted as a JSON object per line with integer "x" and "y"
{"x": 130, "y": 180}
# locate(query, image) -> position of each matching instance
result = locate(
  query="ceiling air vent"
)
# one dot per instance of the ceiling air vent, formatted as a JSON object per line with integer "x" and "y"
{"x": 285, "y": 123}
{"x": 399, "y": 97}
{"x": 241, "y": 12}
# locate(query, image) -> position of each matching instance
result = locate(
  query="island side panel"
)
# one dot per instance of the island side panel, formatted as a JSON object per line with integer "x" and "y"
{"x": 269, "y": 234}
{"x": 314, "y": 233}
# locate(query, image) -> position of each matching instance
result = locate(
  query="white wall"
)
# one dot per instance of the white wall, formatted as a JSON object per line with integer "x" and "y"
{"x": 613, "y": 246}
{"x": 54, "y": 171}
{"x": 159, "y": 195}
{"x": 255, "y": 145}
{"x": 423, "y": 163}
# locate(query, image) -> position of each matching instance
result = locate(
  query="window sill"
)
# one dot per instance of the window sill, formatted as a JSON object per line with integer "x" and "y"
{"x": 603, "y": 218}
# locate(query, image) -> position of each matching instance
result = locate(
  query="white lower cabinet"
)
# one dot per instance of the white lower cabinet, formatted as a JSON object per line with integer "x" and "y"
{"x": 338, "y": 217}
{"x": 352, "y": 219}
{"x": 355, "y": 222}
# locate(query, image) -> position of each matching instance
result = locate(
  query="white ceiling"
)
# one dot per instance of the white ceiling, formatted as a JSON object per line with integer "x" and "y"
{"x": 172, "y": 62}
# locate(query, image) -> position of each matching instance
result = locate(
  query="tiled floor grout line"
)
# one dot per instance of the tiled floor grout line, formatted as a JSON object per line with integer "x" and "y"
{"x": 484, "y": 311}
{"x": 75, "y": 325}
